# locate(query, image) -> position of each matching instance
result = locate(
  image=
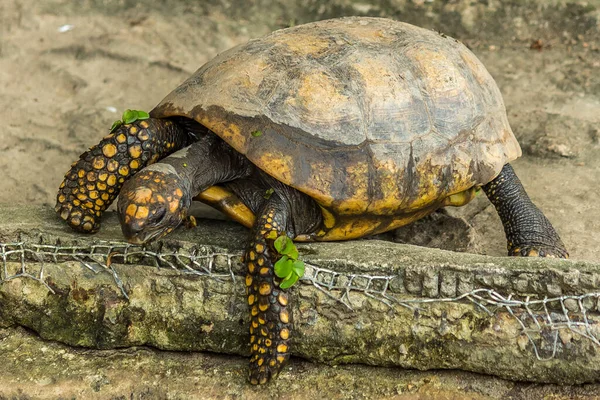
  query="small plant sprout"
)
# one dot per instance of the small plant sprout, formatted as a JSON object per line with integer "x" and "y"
{"x": 268, "y": 193}
{"x": 288, "y": 267}
{"x": 129, "y": 117}
{"x": 256, "y": 133}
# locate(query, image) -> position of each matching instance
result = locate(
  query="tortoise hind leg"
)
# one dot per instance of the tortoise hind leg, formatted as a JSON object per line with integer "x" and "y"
{"x": 528, "y": 231}
{"x": 271, "y": 318}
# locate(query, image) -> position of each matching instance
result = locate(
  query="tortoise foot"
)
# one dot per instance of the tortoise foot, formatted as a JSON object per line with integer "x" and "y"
{"x": 538, "y": 251}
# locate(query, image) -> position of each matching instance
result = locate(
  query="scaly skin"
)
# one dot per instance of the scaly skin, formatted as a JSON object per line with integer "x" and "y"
{"x": 94, "y": 181}
{"x": 270, "y": 317}
{"x": 528, "y": 231}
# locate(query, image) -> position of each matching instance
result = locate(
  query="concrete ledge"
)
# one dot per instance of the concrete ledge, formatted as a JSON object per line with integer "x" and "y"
{"x": 369, "y": 302}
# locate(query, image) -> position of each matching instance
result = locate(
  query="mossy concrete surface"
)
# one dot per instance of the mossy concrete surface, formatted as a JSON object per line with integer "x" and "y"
{"x": 413, "y": 326}
{"x": 36, "y": 369}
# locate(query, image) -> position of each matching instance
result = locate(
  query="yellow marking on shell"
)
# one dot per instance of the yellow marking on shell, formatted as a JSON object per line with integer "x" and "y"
{"x": 357, "y": 188}
{"x": 533, "y": 253}
{"x": 93, "y": 194}
{"x": 280, "y": 164}
{"x": 112, "y": 165}
{"x": 112, "y": 180}
{"x": 178, "y": 192}
{"x": 261, "y": 320}
{"x": 142, "y": 212}
{"x": 251, "y": 299}
{"x": 284, "y": 316}
{"x": 103, "y": 176}
{"x": 272, "y": 363}
{"x": 99, "y": 202}
{"x": 268, "y": 226}
{"x": 133, "y": 130}
{"x": 109, "y": 150}
{"x": 88, "y": 204}
{"x": 82, "y": 196}
{"x": 230, "y": 132}
{"x": 264, "y": 332}
{"x": 81, "y": 173}
{"x": 101, "y": 186}
{"x": 87, "y": 226}
{"x": 460, "y": 199}
{"x": 264, "y": 289}
{"x": 90, "y": 186}
{"x": 264, "y": 271}
{"x": 105, "y": 196}
{"x": 440, "y": 74}
{"x": 248, "y": 280}
{"x": 263, "y": 307}
{"x": 252, "y": 255}
{"x": 254, "y": 311}
{"x": 282, "y": 298}
{"x": 124, "y": 170}
{"x": 173, "y": 206}
{"x": 144, "y": 124}
{"x": 259, "y": 248}
{"x": 251, "y": 267}
{"x": 262, "y": 350}
{"x": 260, "y": 361}
{"x": 61, "y": 198}
{"x": 98, "y": 163}
{"x": 131, "y": 209}
{"x": 261, "y": 261}
{"x": 121, "y": 138}
{"x": 328, "y": 218}
{"x": 280, "y": 359}
{"x": 135, "y": 151}
{"x": 284, "y": 334}
{"x": 268, "y": 342}
{"x": 282, "y": 348}
{"x": 76, "y": 203}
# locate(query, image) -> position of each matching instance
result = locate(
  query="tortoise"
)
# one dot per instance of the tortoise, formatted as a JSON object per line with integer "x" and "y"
{"x": 327, "y": 131}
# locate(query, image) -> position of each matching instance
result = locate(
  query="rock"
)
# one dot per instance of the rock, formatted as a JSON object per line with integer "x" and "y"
{"x": 195, "y": 301}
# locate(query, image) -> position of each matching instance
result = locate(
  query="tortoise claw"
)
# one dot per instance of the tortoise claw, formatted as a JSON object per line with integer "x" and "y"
{"x": 538, "y": 251}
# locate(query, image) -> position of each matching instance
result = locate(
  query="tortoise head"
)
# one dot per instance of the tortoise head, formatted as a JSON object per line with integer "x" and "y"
{"x": 152, "y": 204}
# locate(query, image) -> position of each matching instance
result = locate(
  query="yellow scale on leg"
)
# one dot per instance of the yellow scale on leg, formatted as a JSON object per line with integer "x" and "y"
{"x": 270, "y": 319}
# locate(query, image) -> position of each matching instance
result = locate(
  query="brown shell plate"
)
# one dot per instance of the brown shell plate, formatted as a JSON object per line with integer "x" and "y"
{"x": 368, "y": 116}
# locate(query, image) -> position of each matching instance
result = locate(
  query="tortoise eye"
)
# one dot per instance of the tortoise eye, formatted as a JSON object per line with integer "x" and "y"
{"x": 158, "y": 216}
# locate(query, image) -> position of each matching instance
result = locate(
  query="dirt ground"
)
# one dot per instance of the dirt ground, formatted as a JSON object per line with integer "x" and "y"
{"x": 67, "y": 70}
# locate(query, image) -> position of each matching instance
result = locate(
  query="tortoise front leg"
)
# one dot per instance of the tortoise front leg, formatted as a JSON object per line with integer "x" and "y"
{"x": 271, "y": 318}
{"x": 94, "y": 181}
{"x": 528, "y": 231}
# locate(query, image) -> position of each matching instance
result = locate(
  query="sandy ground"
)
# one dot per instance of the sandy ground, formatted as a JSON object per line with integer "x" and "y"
{"x": 68, "y": 69}
{"x": 62, "y": 89}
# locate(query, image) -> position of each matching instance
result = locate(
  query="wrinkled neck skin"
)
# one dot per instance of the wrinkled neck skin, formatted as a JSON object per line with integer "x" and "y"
{"x": 213, "y": 162}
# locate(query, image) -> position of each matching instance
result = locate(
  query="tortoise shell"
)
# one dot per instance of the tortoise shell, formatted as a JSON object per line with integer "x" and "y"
{"x": 379, "y": 121}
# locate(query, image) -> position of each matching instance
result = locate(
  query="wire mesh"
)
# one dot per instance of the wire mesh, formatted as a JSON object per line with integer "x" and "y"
{"x": 543, "y": 320}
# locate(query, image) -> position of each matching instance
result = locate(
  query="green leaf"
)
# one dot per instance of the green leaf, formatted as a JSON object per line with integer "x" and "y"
{"x": 298, "y": 268}
{"x": 268, "y": 193}
{"x": 141, "y": 115}
{"x": 289, "y": 281}
{"x": 283, "y": 267}
{"x": 290, "y": 250}
{"x": 115, "y": 125}
{"x": 281, "y": 243}
{"x": 256, "y": 133}
{"x": 130, "y": 116}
